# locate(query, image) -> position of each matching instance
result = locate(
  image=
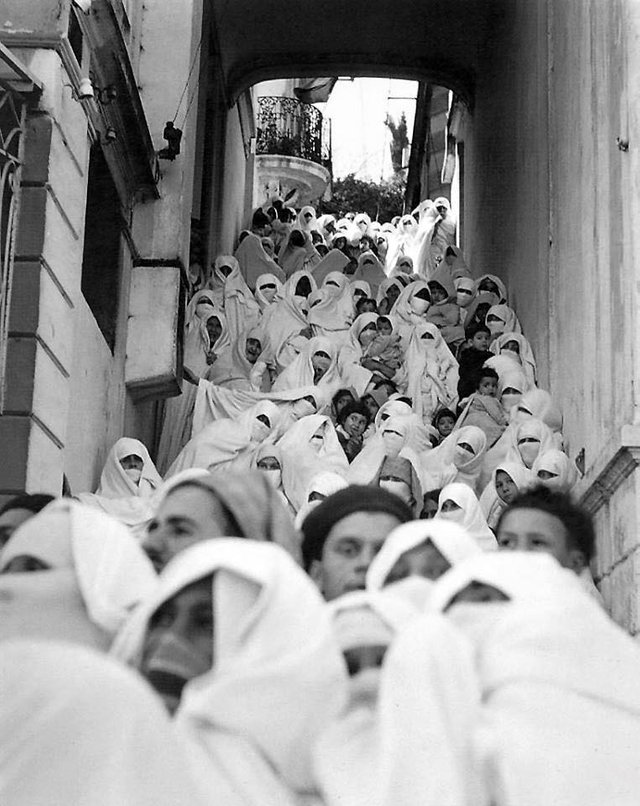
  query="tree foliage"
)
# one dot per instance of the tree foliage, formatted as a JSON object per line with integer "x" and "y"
{"x": 381, "y": 200}
{"x": 399, "y": 141}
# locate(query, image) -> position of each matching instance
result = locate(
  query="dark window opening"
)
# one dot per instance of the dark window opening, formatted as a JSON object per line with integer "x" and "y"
{"x": 102, "y": 247}
{"x": 74, "y": 34}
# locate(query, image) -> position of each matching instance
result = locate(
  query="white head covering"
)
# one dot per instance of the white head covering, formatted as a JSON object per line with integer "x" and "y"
{"x": 469, "y": 516}
{"x": 371, "y": 270}
{"x": 262, "y": 281}
{"x": 529, "y": 428}
{"x": 506, "y": 315}
{"x": 432, "y": 371}
{"x": 197, "y": 343}
{"x": 287, "y": 317}
{"x": 498, "y": 282}
{"x": 365, "y": 467}
{"x": 404, "y": 317}
{"x": 227, "y": 444}
{"x": 97, "y": 568}
{"x": 334, "y": 260}
{"x": 451, "y": 540}
{"x": 346, "y": 756}
{"x": 526, "y": 357}
{"x": 325, "y": 483}
{"x": 491, "y": 504}
{"x": 277, "y": 680}
{"x": 300, "y": 371}
{"x": 302, "y": 223}
{"x": 351, "y": 371}
{"x": 335, "y": 309}
{"x": 545, "y": 664}
{"x": 254, "y": 261}
{"x": 302, "y": 462}
{"x": 78, "y": 728}
{"x": 556, "y": 462}
{"x": 114, "y": 482}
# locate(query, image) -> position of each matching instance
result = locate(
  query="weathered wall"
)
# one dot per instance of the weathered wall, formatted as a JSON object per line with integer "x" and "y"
{"x": 549, "y": 204}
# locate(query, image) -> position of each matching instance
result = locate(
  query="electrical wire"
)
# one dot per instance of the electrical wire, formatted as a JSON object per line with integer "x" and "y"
{"x": 184, "y": 90}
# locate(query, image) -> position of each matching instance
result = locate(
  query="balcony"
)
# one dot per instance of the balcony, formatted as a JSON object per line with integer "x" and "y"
{"x": 293, "y": 150}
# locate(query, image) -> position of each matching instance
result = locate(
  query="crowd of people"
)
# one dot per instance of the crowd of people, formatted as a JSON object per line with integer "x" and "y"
{"x": 354, "y": 573}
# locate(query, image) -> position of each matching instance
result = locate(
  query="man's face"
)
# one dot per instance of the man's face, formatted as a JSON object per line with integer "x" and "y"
{"x": 186, "y": 516}
{"x": 10, "y": 521}
{"x": 534, "y": 530}
{"x": 352, "y": 544}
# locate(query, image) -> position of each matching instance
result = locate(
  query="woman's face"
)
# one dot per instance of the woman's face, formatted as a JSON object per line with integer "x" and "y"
{"x": 367, "y": 334}
{"x": 393, "y": 293}
{"x": 398, "y": 487}
{"x": 320, "y": 362}
{"x": 225, "y": 270}
{"x": 490, "y": 286}
{"x": 393, "y": 442}
{"x": 252, "y": 350}
{"x": 317, "y": 438}
{"x": 425, "y": 561}
{"x": 268, "y": 291}
{"x": 505, "y": 487}
{"x": 186, "y": 516}
{"x": 529, "y": 448}
{"x": 214, "y": 329}
{"x": 178, "y": 645}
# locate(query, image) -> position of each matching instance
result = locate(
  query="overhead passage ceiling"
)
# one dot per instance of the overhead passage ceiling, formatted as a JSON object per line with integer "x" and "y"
{"x": 435, "y": 40}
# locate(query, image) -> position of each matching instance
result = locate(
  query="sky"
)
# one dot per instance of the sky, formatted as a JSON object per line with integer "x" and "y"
{"x": 358, "y": 110}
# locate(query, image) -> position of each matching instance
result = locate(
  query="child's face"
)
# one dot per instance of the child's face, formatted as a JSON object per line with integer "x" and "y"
{"x": 252, "y": 351}
{"x": 505, "y": 487}
{"x": 438, "y": 294}
{"x": 368, "y": 306}
{"x": 384, "y": 328}
{"x": 480, "y": 341}
{"x": 488, "y": 386}
{"x": 445, "y": 426}
{"x": 355, "y": 424}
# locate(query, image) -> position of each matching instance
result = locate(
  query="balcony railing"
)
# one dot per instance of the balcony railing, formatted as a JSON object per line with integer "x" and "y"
{"x": 291, "y": 128}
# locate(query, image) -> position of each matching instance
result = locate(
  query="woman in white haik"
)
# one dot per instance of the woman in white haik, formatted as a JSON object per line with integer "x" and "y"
{"x": 520, "y": 691}
{"x": 347, "y": 754}
{"x": 426, "y": 549}
{"x": 128, "y": 481}
{"x": 77, "y": 728}
{"x": 238, "y": 643}
{"x": 71, "y": 573}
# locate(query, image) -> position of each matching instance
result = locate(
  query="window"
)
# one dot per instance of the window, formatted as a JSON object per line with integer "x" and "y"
{"x": 101, "y": 260}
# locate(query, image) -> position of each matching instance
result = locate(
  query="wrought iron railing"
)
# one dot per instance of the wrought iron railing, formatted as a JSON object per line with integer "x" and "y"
{"x": 12, "y": 116}
{"x": 291, "y": 128}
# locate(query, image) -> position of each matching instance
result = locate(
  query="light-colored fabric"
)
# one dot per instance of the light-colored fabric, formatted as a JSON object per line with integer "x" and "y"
{"x": 429, "y": 705}
{"x": 503, "y": 298}
{"x": 98, "y": 573}
{"x": 431, "y": 372}
{"x": 301, "y": 372}
{"x": 469, "y": 516}
{"x": 233, "y": 369}
{"x": 120, "y": 496}
{"x": 335, "y": 310}
{"x": 254, "y": 261}
{"x": 261, "y": 282}
{"x": 346, "y": 755}
{"x": 216, "y": 281}
{"x": 334, "y": 260}
{"x": 228, "y": 444}
{"x": 451, "y": 540}
{"x": 507, "y": 316}
{"x": 287, "y": 317}
{"x": 302, "y": 461}
{"x": 371, "y": 270}
{"x": 325, "y": 484}
{"x": 449, "y": 462}
{"x": 491, "y": 504}
{"x": 545, "y": 662}
{"x": 365, "y": 467}
{"x": 351, "y": 370}
{"x": 556, "y": 462}
{"x": 404, "y": 317}
{"x": 197, "y": 344}
{"x": 77, "y": 728}
{"x": 240, "y": 306}
{"x": 525, "y": 358}
{"x": 257, "y": 509}
{"x": 249, "y": 724}
{"x": 530, "y": 428}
